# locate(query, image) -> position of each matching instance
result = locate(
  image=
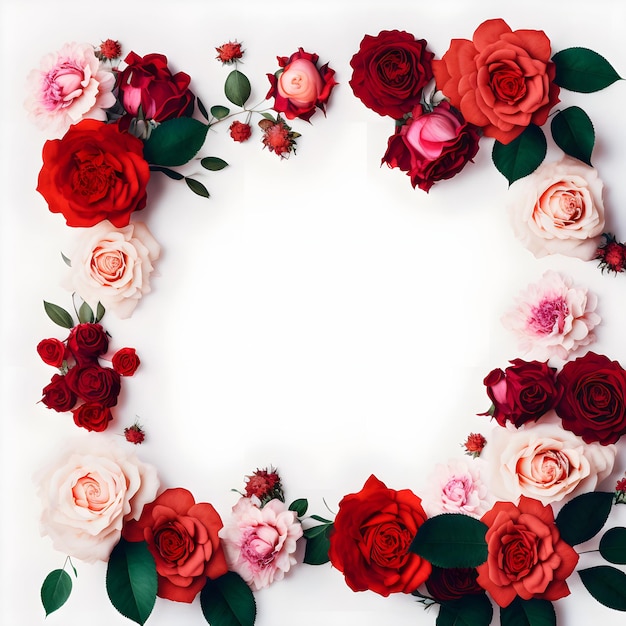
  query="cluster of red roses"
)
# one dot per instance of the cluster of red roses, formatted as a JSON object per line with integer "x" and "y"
{"x": 83, "y": 386}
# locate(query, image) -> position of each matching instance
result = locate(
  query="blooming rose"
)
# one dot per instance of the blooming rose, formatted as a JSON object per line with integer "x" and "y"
{"x": 94, "y": 173}
{"x": 371, "y": 537}
{"x": 522, "y": 392}
{"x": 526, "y": 556}
{"x": 390, "y": 71}
{"x": 182, "y": 536}
{"x": 260, "y": 542}
{"x": 52, "y": 352}
{"x": 113, "y": 266}
{"x": 87, "y": 342}
{"x": 502, "y": 81}
{"x": 558, "y": 209}
{"x": 148, "y": 83}
{"x": 300, "y": 86}
{"x": 57, "y": 395}
{"x": 125, "y": 361}
{"x": 432, "y": 146}
{"x": 94, "y": 384}
{"x": 70, "y": 85}
{"x": 92, "y": 417}
{"x": 452, "y": 583}
{"x": 474, "y": 445}
{"x": 593, "y": 404}
{"x": 89, "y": 493}
{"x": 553, "y": 318}
{"x": 544, "y": 462}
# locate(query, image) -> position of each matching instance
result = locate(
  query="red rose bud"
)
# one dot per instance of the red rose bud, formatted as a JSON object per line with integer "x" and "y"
{"x": 52, "y": 352}
{"x": 135, "y": 434}
{"x": 620, "y": 491}
{"x": 93, "y": 417}
{"x": 474, "y": 445}
{"x": 229, "y": 52}
{"x": 278, "y": 137}
{"x": 240, "y": 132}
{"x": 57, "y": 395}
{"x": 110, "y": 50}
{"x": 611, "y": 254}
{"x": 265, "y": 485}
{"x": 125, "y": 361}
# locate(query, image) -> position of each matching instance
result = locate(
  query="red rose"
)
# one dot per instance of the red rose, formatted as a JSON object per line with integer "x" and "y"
{"x": 94, "y": 384}
{"x": 94, "y": 173}
{"x": 502, "y": 81}
{"x": 229, "y": 52}
{"x": 148, "y": 83}
{"x": 183, "y": 538}
{"x": 125, "y": 361}
{"x": 240, "y": 132}
{"x": 92, "y": 417}
{"x": 371, "y": 537}
{"x": 526, "y": 555}
{"x": 432, "y": 145}
{"x": 523, "y": 392}
{"x": 390, "y": 71}
{"x": 593, "y": 404}
{"x": 448, "y": 584}
{"x": 57, "y": 395}
{"x": 87, "y": 342}
{"x": 52, "y": 352}
{"x": 300, "y": 87}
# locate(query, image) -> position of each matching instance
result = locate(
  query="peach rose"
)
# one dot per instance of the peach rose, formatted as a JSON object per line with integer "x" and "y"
{"x": 559, "y": 209}
{"x": 113, "y": 266}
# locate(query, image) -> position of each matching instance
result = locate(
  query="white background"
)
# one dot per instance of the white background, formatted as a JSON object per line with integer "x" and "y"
{"x": 317, "y": 314}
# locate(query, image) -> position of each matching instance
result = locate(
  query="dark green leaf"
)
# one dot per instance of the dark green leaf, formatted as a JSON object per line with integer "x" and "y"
{"x": 228, "y": 601}
{"x": 300, "y": 506}
{"x": 317, "y": 544}
{"x": 474, "y": 610}
{"x": 237, "y": 88}
{"x": 167, "y": 171}
{"x": 269, "y": 116}
{"x": 607, "y": 585}
{"x": 220, "y": 112}
{"x": 100, "y": 311}
{"x": 321, "y": 519}
{"x": 583, "y": 70}
{"x": 58, "y": 315}
{"x": 67, "y": 261}
{"x": 583, "y": 517}
{"x": 572, "y": 131}
{"x": 55, "y": 590}
{"x": 175, "y": 142}
{"x": 314, "y": 531}
{"x": 451, "y": 540}
{"x": 85, "y": 314}
{"x": 528, "y": 613}
{"x": 131, "y": 580}
{"x": 214, "y": 164}
{"x": 522, "y": 156}
{"x": 197, "y": 187}
{"x": 202, "y": 109}
{"x": 613, "y": 545}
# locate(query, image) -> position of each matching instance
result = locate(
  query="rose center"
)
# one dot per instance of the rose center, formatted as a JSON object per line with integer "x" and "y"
{"x": 258, "y": 548}
{"x": 548, "y": 316}
{"x": 456, "y": 490}
{"x": 91, "y": 493}
{"x": 93, "y": 176}
{"x": 173, "y": 543}
{"x": 507, "y": 83}
{"x": 550, "y": 467}
{"x": 569, "y": 207}
{"x": 63, "y": 83}
{"x": 393, "y": 68}
{"x": 109, "y": 265}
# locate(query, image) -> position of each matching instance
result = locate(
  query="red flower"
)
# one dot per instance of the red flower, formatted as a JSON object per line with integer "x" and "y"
{"x": 52, "y": 352}
{"x": 134, "y": 434}
{"x": 611, "y": 254}
{"x": 239, "y": 131}
{"x": 183, "y": 538}
{"x": 92, "y": 417}
{"x": 125, "y": 361}
{"x": 265, "y": 485}
{"x": 448, "y": 584}
{"x": 57, "y": 395}
{"x": 94, "y": 384}
{"x": 229, "y": 52}
{"x": 474, "y": 445}
{"x": 110, "y": 49}
{"x": 371, "y": 537}
{"x": 87, "y": 342}
{"x": 390, "y": 71}
{"x": 94, "y": 173}
{"x": 278, "y": 137}
{"x": 526, "y": 555}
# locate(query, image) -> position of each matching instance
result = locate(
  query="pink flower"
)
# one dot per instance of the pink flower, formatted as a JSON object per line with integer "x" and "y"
{"x": 70, "y": 85}
{"x": 259, "y": 543}
{"x": 553, "y": 318}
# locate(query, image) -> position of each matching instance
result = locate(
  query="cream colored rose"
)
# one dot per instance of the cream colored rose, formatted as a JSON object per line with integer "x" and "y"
{"x": 88, "y": 493}
{"x": 113, "y": 266}
{"x": 544, "y": 461}
{"x": 559, "y": 209}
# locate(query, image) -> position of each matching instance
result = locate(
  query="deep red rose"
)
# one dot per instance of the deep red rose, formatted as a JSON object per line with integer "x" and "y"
{"x": 135, "y": 434}
{"x": 371, "y": 537}
{"x": 239, "y": 131}
{"x": 593, "y": 404}
{"x": 87, "y": 342}
{"x": 92, "y": 417}
{"x": 390, "y": 71}
{"x": 432, "y": 145}
{"x": 94, "y": 384}
{"x": 125, "y": 361}
{"x": 57, "y": 395}
{"x": 148, "y": 83}
{"x": 523, "y": 392}
{"x": 526, "y": 555}
{"x": 502, "y": 81}
{"x": 94, "y": 173}
{"x": 52, "y": 352}
{"x": 448, "y": 584}
{"x": 183, "y": 539}
{"x": 300, "y": 87}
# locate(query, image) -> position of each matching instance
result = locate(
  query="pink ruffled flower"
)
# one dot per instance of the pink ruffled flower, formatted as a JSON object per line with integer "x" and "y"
{"x": 553, "y": 318}
{"x": 259, "y": 542}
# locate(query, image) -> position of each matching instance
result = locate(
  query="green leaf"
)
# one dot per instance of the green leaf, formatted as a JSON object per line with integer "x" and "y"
{"x": 220, "y": 112}
{"x": 67, "y": 261}
{"x": 474, "y": 610}
{"x": 321, "y": 519}
{"x": 85, "y": 314}
{"x": 573, "y": 132}
{"x": 202, "y": 109}
{"x": 167, "y": 171}
{"x": 228, "y": 601}
{"x": 175, "y": 142}
{"x": 317, "y": 544}
{"x": 131, "y": 580}
{"x": 607, "y": 585}
{"x": 528, "y": 613}
{"x": 269, "y": 116}
{"x": 300, "y": 506}
{"x": 237, "y": 88}
{"x": 100, "y": 311}
{"x": 613, "y": 545}
{"x": 451, "y": 540}
{"x": 583, "y": 70}
{"x": 214, "y": 164}
{"x": 197, "y": 187}
{"x": 58, "y": 315}
{"x": 583, "y": 517}
{"x": 522, "y": 156}
{"x": 55, "y": 590}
